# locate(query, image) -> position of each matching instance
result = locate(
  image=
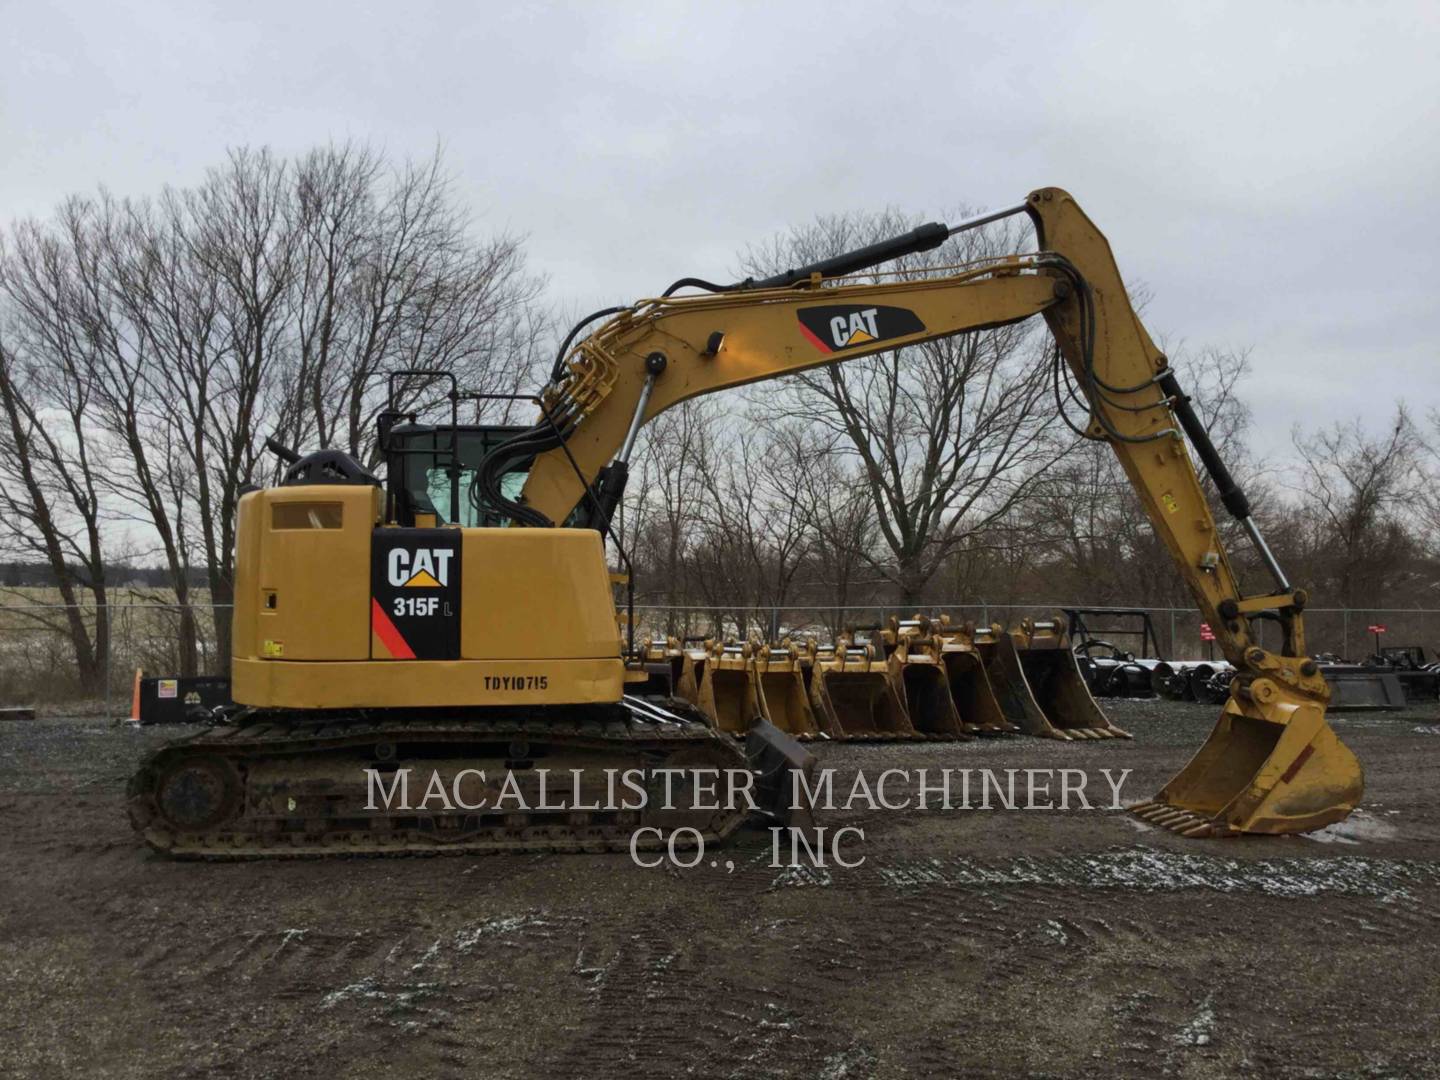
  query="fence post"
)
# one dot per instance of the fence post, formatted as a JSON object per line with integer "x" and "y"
{"x": 105, "y": 674}
{"x": 1173, "y": 654}
{"x": 1345, "y": 633}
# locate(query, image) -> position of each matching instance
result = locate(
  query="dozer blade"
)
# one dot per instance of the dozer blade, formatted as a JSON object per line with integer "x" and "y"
{"x": 1285, "y": 773}
{"x": 775, "y": 759}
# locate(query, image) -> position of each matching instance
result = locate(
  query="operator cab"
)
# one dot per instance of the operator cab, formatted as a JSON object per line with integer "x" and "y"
{"x": 430, "y": 470}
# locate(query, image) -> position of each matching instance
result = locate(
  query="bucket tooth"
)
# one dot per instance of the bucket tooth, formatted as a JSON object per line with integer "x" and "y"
{"x": 1181, "y": 822}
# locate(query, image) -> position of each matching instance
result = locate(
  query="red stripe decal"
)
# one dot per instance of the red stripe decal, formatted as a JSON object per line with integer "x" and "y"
{"x": 1294, "y": 768}
{"x": 389, "y": 636}
{"x": 815, "y": 340}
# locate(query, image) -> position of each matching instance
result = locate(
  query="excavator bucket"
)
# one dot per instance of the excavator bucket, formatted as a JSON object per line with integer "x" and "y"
{"x": 780, "y": 688}
{"x": 1007, "y": 679}
{"x": 1039, "y": 684}
{"x": 691, "y": 684}
{"x": 920, "y": 680}
{"x": 851, "y": 687}
{"x": 820, "y": 703}
{"x": 1285, "y": 773}
{"x": 662, "y": 665}
{"x": 822, "y": 712}
{"x": 980, "y": 710}
{"x": 730, "y": 686}
{"x": 1056, "y": 684}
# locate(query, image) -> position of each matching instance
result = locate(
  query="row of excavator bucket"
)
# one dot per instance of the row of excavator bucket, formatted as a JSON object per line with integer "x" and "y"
{"x": 913, "y": 679}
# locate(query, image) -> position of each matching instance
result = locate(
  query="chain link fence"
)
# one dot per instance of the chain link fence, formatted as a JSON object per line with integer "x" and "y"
{"x": 38, "y": 660}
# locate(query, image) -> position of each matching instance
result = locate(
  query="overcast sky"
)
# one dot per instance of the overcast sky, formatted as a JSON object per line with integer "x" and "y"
{"x": 1268, "y": 170}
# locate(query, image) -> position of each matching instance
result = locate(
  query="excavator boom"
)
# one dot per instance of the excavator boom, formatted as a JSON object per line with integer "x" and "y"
{"x": 1272, "y": 764}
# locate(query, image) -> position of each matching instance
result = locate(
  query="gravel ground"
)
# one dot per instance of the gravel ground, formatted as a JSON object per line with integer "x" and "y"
{"x": 968, "y": 943}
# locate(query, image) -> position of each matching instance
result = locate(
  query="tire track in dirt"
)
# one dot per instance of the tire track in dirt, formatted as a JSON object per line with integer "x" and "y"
{"x": 658, "y": 1002}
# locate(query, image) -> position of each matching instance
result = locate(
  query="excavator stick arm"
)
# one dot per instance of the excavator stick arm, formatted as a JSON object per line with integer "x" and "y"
{"x": 1271, "y": 764}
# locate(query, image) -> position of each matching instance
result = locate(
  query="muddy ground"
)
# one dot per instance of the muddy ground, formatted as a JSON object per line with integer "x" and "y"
{"x": 979, "y": 943}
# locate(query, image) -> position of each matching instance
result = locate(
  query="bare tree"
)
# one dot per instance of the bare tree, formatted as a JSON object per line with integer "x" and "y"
{"x": 50, "y": 489}
{"x": 839, "y": 517}
{"x": 950, "y": 435}
{"x": 273, "y": 297}
{"x": 1085, "y": 530}
{"x": 1427, "y": 502}
{"x": 391, "y": 277}
{"x": 1356, "y": 493}
{"x": 662, "y": 508}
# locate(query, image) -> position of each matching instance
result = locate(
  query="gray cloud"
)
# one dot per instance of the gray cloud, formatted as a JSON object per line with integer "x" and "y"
{"x": 1268, "y": 170}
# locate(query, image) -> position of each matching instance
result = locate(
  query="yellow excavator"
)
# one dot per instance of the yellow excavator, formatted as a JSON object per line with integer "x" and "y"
{"x": 457, "y": 622}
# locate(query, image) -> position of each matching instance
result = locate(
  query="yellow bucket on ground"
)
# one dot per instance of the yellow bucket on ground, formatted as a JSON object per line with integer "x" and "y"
{"x": 851, "y": 687}
{"x": 980, "y": 710}
{"x": 920, "y": 680}
{"x": 780, "y": 689}
{"x": 728, "y": 686}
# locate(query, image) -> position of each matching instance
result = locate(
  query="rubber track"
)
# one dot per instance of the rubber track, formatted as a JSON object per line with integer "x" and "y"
{"x": 258, "y": 735}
